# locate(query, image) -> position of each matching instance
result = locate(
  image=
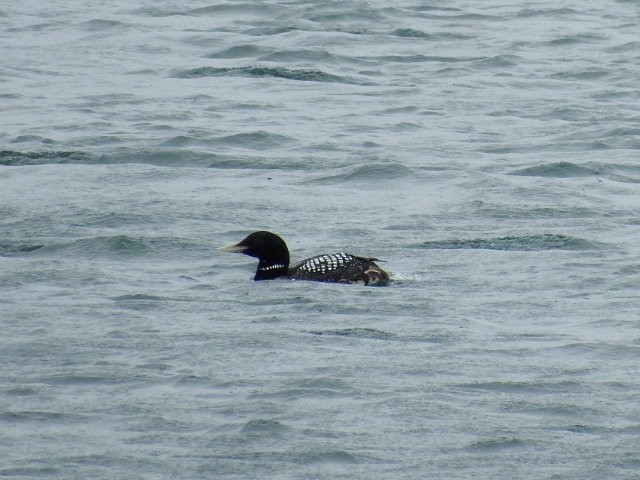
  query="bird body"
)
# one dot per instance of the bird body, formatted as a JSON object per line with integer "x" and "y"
{"x": 273, "y": 262}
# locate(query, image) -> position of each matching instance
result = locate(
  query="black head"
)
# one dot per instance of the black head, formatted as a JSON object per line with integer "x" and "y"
{"x": 269, "y": 249}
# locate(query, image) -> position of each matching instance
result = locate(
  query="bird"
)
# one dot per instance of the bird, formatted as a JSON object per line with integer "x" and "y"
{"x": 273, "y": 262}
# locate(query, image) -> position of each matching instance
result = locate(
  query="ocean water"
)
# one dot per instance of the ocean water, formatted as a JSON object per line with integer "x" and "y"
{"x": 489, "y": 152}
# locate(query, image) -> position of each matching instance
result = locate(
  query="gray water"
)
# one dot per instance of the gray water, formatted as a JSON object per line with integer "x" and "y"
{"x": 487, "y": 151}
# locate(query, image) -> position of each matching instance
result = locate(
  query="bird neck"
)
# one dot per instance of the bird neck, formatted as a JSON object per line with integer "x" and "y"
{"x": 268, "y": 270}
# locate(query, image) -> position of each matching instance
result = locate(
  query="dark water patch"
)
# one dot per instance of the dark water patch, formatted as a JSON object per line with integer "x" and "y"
{"x": 560, "y": 211}
{"x": 273, "y": 72}
{"x": 585, "y": 429}
{"x": 166, "y": 157}
{"x": 118, "y": 245}
{"x": 618, "y": 138}
{"x": 251, "y": 9}
{"x": 268, "y": 29}
{"x": 515, "y": 243}
{"x": 39, "y": 416}
{"x": 32, "y": 138}
{"x": 323, "y": 387}
{"x": 557, "y": 170}
{"x": 462, "y": 17}
{"x": 419, "y": 34}
{"x": 153, "y": 367}
{"x": 264, "y": 427}
{"x": 411, "y": 33}
{"x": 492, "y": 444}
{"x": 254, "y": 140}
{"x": 326, "y": 456}
{"x": 581, "y": 75}
{"x": 139, "y": 297}
{"x": 141, "y": 301}
{"x": 38, "y": 27}
{"x": 259, "y": 162}
{"x": 23, "y": 390}
{"x": 29, "y": 472}
{"x": 9, "y": 249}
{"x": 423, "y": 58}
{"x": 432, "y": 8}
{"x": 371, "y": 172}
{"x": 98, "y": 25}
{"x": 81, "y": 379}
{"x": 546, "y": 12}
{"x": 13, "y": 158}
{"x": 367, "y": 333}
{"x": 633, "y": 46}
{"x": 303, "y": 55}
{"x": 240, "y": 51}
{"x": 498, "y": 61}
{"x": 573, "y": 39}
{"x": 552, "y": 409}
{"x": 525, "y": 387}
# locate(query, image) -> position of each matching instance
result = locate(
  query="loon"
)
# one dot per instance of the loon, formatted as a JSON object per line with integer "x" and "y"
{"x": 273, "y": 256}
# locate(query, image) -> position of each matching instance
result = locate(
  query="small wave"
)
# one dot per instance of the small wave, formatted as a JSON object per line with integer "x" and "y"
{"x": 564, "y": 386}
{"x": 7, "y": 249}
{"x": 625, "y": 47}
{"x": 547, "y": 12}
{"x": 410, "y": 33}
{"x": 40, "y": 416}
{"x": 261, "y": 426}
{"x": 323, "y": 387}
{"x": 577, "y": 38}
{"x": 240, "y": 51}
{"x": 301, "y": 55}
{"x": 327, "y": 456}
{"x": 275, "y": 72}
{"x": 419, "y": 58}
{"x": 375, "y": 171}
{"x": 100, "y": 246}
{"x": 13, "y": 158}
{"x": 256, "y": 140}
{"x": 498, "y": 61}
{"x": 581, "y": 75}
{"x": 138, "y": 297}
{"x": 234, "y": 7}
{"x": 557, "y": 170}
{"x": 368, "y": 333}
{"x": 496, "y": 444}
{"x": 30, "y": 472}
{"x": 97, "y": 25}
{"x": 515, "y": 243}
{"x": 31, "y": 138}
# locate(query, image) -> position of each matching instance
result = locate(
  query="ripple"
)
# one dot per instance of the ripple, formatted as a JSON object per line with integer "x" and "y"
{"x": 368, "y": 333}
{"x": 496, "y": 444}
{"x": 101, "y": 246}
{"x": 7, "y": 249}
{"x": 515, "y": 243}
{"x": 261, "y": 427}
{"x": 375, "y": 171}
{"x": 11, "y": 158}
{"x": 40, "y": 416}
{"x": 525, "y": 387}
{"x": 322, "y": 388}
{"x": 557, "y": 170}
{"x": 240, "y": 51}
{"x": 327, "y": 456}
{"x": 274, "y": 72}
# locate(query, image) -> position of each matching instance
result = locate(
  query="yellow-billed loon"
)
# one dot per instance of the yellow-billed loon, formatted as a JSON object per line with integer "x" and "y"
{"x": 273, "y": 262}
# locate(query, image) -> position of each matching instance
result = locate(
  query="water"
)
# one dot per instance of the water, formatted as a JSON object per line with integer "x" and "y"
{"x": 488, "y": 153}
